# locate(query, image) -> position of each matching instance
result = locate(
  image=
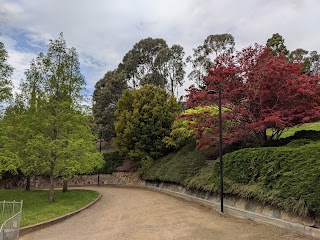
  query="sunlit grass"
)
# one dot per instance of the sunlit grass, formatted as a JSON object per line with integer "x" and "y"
{"x": 36, "y": 208}
{"x": 308, "y": 126}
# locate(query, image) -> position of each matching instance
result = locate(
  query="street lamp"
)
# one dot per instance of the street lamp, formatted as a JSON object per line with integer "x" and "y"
{"x": 100, "y": 140}
{"x": 220, "y": 143}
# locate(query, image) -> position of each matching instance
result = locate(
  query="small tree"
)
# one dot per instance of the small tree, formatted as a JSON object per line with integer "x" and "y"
{"x": 62, "y": 143}
{"x": 143, "y": 118}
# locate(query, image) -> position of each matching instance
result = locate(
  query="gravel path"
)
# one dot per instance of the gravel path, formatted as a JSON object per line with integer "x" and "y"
{"x": 132, "y": 213}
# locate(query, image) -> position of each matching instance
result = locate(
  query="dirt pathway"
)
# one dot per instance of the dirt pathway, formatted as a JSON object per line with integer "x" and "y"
{"x": 132, "y": 213}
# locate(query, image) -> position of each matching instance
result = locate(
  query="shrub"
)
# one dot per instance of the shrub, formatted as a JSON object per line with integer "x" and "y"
{"x": 285, "y": 176}
{"x": 112, "y": 161}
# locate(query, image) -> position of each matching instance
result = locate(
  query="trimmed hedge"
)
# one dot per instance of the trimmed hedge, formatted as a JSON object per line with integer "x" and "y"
{"x": 177, "y": 167}
{"x": 288, "y": 177}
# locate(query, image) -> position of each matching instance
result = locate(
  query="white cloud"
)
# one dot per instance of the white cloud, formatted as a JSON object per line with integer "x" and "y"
{"x": 104, "y": 30}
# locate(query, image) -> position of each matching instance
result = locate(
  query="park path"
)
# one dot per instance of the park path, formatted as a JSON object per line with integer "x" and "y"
{"x": 134, "y": 213}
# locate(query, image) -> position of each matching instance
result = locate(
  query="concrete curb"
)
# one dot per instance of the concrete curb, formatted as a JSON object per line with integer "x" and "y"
{"x": 239, "y": 213}
{"x": 41, "y": 225}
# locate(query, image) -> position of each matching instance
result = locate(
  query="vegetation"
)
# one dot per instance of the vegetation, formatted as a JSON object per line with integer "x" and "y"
{"x": 5, "y": 74}
{"x": 108, "y": 91}
{"x": 151, "y": 61}
{"x": 112, "y": 160}
{"x": 308, "y": 126}
{"x": 46, "y": 129}
{"x": 177, "y": 167}
{"x": 264, "y": 91}
{"x": 285, "y": 176}
{"x": 36, "y": 208}
{"x": 144, "y": 118}
{"x": 204, "y": 55}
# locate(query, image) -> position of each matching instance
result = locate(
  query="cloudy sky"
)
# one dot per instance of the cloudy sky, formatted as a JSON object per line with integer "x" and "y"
{"x": 103, "y": 31}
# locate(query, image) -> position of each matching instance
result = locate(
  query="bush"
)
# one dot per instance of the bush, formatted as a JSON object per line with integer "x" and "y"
{"x": 288, "y": 177}
{"x": 112, "y": 161}
{"x": 177, "y": 167}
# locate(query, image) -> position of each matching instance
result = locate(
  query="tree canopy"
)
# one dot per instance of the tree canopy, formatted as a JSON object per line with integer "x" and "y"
{"x": 204, "y": 55}
{"x": 143, "y": 118}
{"x": 5, "y": 74}
{"x": 276, "y": 44}
{"x": 152, "y": 61}
{"x": 107, "y": 92}
{"x": 263, "y": 91}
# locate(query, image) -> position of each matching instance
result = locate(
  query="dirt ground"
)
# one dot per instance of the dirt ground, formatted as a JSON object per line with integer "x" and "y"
{"x": 132, "y": 213}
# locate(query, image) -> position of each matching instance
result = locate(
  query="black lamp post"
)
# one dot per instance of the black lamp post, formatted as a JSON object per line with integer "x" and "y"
{"x": 220, "y": 143}
{"x": 100, "y": 140}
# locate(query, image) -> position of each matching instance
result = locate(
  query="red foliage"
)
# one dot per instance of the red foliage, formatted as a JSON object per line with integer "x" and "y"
{"x": 264, "y": 92}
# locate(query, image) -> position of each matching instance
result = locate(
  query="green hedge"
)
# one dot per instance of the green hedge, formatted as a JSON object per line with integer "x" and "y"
{"x": 288, "y": 177}
{"x": 177, "y": 167}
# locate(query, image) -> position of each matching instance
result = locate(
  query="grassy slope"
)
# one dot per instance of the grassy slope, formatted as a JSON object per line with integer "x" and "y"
{"x": 286, "y": 176}
{"x": 177, "y": 167}
{"x": 36, "y": 208}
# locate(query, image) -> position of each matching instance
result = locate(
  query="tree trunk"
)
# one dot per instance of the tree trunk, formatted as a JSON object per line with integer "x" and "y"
{"x": 65, "y": 186}
{"x": 51, "y": 187}
{"x": 28, "y": 184}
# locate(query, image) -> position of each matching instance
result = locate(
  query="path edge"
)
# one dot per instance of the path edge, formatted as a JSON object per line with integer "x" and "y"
{"x": 35, "y": 227}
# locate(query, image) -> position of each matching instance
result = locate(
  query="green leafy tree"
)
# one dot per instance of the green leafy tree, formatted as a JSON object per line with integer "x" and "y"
{"x": 204, "y": 55}
{"x": 143, "y": 118}
{"x": 310, "y": 60}
{"x": 186, "y": 124}
{"x": 276, "y": 44}
{"x": 107, "y": 92}
{"x": 10, "y": 161}
{"x": 62, "y": 144}
{"x": 5, "y": 74}
{"x": 151, "y": 61}
{"x": 171, "y": 65}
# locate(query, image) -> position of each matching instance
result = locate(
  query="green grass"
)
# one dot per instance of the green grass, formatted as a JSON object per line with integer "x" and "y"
{"x": 36, "y": 208}
{"x": 308, "y": 126}
{"x": 177, "y": 167}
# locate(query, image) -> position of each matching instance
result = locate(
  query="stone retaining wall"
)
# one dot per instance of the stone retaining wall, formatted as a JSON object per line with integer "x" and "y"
{"x": 40, "y": 182}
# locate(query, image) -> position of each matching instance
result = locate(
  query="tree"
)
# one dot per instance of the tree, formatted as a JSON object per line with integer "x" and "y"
{"x": 311, "y": 61}
{"x": 62, "y": 144}
{"x": 204, "y": 55}
{"x": 5, "y": 74}
{"x": 107, "y": 92}
{"x": 143, "y": 118}
{"x": 276, "y": 44}
{"x": 151, "y": 61}
{"x": 10, "y": 161}
{"x": 186, "y": 124}
{"x": 171, "y": 65}
{"x": 263, "y": 91}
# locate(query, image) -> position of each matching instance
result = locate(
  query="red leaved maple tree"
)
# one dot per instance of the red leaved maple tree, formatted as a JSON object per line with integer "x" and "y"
{"x": 263, "y": 92}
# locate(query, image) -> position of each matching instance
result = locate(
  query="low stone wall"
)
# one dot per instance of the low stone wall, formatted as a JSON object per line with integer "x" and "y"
{"x": 40, "y": 182}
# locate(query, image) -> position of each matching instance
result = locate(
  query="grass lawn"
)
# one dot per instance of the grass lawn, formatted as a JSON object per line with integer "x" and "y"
{"x": 36, "y": 208}
{"x": 308, "y": 126}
